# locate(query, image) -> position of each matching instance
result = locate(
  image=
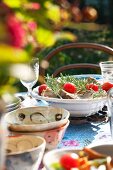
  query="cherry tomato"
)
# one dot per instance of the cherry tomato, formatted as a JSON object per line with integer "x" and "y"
{"x": 92, "y": 86}
{"x": 70, "y": 160}
{"x": 70, "y": 88}
{"x": 106, "y": 86}
{"x": 41, "y": 88}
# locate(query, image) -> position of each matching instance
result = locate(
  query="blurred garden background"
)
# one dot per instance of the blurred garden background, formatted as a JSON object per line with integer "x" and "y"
{"x": 34, "y": 28}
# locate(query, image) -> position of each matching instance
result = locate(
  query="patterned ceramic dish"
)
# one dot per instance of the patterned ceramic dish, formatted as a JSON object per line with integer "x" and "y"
{"x": 24, "y": 152}
{"x": 54, "y": 155}
{"x": 39, "y": 118}
{"x": 53, "y": 136}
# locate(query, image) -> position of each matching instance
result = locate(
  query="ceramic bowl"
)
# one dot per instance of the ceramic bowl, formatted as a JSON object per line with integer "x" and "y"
{"x": 77, "y": 107}
{"x": 53, "y": 136}
{"x": 54, "y": 155}
{"x": 24, "y": 152}
{"x": 80, "y": 107}
{"x": 39, "y": 118}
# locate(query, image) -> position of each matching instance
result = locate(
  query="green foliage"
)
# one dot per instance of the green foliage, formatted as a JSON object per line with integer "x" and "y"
{"x": 55, "y": 28}
{"x": 10, "y": 55}
{"x": 45, "y": 37}
{"x": 71, "y": 56}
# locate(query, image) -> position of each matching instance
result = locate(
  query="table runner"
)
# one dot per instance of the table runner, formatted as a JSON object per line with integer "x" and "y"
{"x": 81, "y": 135}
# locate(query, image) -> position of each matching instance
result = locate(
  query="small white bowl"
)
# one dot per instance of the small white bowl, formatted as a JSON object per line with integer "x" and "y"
{"x": 24, "y": 152}
{"x": 55, "y": 155}
{"x": 39, "y": 118}
{"x": 52, "y": 136}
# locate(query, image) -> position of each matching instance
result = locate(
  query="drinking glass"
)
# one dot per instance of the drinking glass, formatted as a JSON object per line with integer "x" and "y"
{"x": 30, "y": 75}
{"x": 107, "y": 71}
{"x": 110, "y": 109}
{"x": 107, "y": 75}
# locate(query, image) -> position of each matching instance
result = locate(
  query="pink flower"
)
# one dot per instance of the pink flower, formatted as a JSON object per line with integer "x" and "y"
{"x": 35, "y": 6}
{"x": 32, "y": 25}
{"x": 16, "y": 31}
{"x": 32, "y": 6}
{"x": 71, "y": 143}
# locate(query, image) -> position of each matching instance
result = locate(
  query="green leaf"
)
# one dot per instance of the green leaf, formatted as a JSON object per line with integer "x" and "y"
{"x": 13, "y": 3}
{"x": 45, "y": 37}
{"x": 66, "y": 35}
{"x": 53, "y": 12}
{"x": 56, "y": 166}
{"x": 9, "y": 54}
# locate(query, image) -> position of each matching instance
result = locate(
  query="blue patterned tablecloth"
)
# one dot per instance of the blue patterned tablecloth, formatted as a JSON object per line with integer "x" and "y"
{"x": 80, "y": 135}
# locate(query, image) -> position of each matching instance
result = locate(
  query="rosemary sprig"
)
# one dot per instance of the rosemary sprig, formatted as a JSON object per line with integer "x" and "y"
{"x": 56, "y": 84}
{"x": 53, "y": 84}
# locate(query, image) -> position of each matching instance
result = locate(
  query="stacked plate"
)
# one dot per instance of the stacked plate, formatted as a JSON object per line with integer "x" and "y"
{"x": 13, "y": 104}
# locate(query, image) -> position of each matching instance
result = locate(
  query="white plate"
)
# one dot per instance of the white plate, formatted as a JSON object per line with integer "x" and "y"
{"x": 13, "y": 103}
{"x": 13, "y": 108}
